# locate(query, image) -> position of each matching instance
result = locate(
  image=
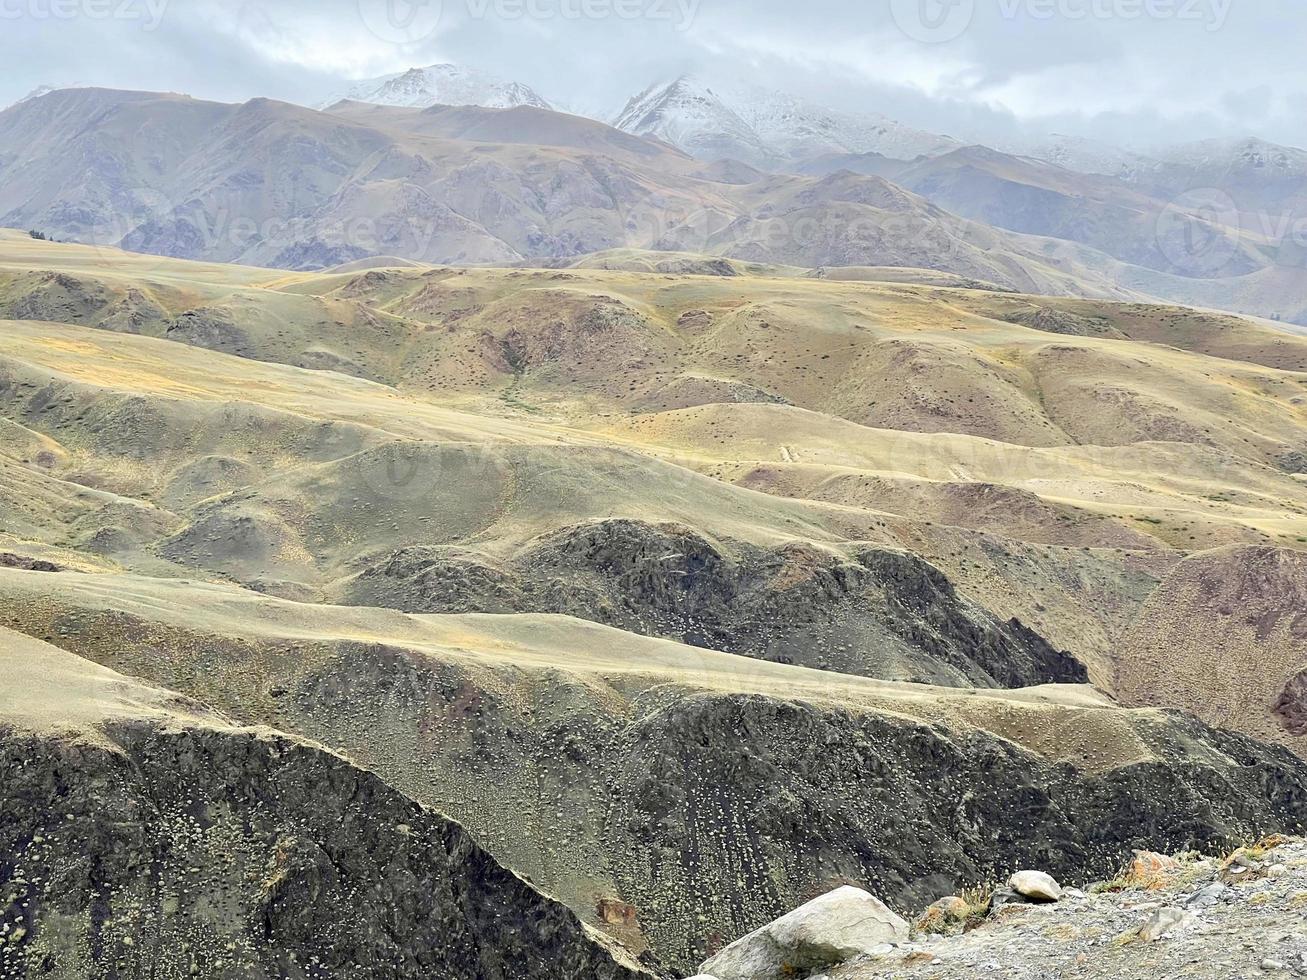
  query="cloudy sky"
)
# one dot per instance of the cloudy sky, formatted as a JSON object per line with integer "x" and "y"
{"x": 1132, "y": 71}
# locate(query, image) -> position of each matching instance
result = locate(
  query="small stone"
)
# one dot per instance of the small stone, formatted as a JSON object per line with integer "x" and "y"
{"x": 1273, "y": 966}
{"x": 1207, "y": 896}
{"x": 1163, "y": 922}
{"x": 1036, "y": 885}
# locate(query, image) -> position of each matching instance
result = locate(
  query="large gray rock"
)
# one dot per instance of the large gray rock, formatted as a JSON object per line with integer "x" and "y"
{"x": 840, "y": 925}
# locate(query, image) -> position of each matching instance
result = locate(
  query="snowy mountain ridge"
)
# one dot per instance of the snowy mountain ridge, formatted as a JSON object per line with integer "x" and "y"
{"x": 443, "y": 84}
{"x": 764, "y": 127}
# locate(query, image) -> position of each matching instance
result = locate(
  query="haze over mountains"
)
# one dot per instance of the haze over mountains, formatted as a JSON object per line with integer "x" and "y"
{"x": 280, "y": 185}
{"x": 732, "y": 171}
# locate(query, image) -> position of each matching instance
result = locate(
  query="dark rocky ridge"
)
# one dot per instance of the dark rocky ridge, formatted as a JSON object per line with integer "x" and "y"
{"x": 701, "y": 814}
{"x": 178, "y": 851}
{"x": 881, "y": 613}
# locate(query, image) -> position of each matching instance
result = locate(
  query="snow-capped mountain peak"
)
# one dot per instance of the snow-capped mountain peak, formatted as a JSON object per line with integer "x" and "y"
{"x": 41, "y": 90}
{"x": 757, "y": 125}
{"x": 442, "y": 85}
{"x": 1086, "y": 156}
{"x": 690, "y": 116}
{"x": 1249, "y": 154}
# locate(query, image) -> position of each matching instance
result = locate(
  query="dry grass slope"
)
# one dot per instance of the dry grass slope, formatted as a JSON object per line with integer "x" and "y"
{"x": 353, "y": 506}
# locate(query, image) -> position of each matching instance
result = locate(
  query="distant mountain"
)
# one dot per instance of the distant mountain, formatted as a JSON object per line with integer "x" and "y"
{"x": 1085, "y": 156}
{"x": 693, "y": 117}
{"x": 272, "y": 184}
{"x": 525, "y": 125}
{"x": 799, "y": 129}
{"x": 1121, "y": 219}
{"x": 39, "y": 91}
{"x": 764, "y": 127}
{"x": 441, "y": 85}
{"x": 1250, "y": 155}
{"x": 1252, "y": 170}
{"x": 268, "y": 183}
{"x": 1258, "y": 176}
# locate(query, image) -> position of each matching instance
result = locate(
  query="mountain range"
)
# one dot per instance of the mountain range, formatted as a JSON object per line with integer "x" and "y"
{"x": 741, "y": 120}
{"x": 276, "y": 184}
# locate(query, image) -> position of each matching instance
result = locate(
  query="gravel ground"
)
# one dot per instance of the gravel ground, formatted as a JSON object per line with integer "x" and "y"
{"x": 1241, "y": 916}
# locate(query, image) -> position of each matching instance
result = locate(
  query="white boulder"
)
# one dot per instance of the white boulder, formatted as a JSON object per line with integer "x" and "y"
{"x": 1035, "y": 885}
{"x": 840, "y": 925}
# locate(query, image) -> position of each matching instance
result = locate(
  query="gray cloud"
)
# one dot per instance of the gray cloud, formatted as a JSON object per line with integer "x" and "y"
{"x": 1133, "y": 71}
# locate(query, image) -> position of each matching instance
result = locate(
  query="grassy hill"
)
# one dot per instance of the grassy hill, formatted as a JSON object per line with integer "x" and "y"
{"x": 687, "y": 594}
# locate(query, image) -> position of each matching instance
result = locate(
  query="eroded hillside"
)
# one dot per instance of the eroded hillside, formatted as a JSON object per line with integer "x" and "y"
{"x": 688, "y": 595}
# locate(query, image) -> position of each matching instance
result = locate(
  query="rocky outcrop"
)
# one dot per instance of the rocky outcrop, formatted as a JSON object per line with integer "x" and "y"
{"x": 214, "y": 328}
{"x": 1291, "y": 705}
{"x": 845, "y": 791}
{"x": 172, "y": 847}
{"x": 681, "y": 798}
{"x": 63, "y": 298}
{"x": 695, "y": 814}
{"x": 1063, "y": 322}
{"x": 878, "y": 613}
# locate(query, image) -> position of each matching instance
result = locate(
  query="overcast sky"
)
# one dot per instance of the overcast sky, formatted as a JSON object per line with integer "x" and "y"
{"x": 1134, "y": 71}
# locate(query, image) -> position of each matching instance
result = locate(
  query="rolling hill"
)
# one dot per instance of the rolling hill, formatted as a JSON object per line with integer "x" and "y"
{"x": 528, "y": 548}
